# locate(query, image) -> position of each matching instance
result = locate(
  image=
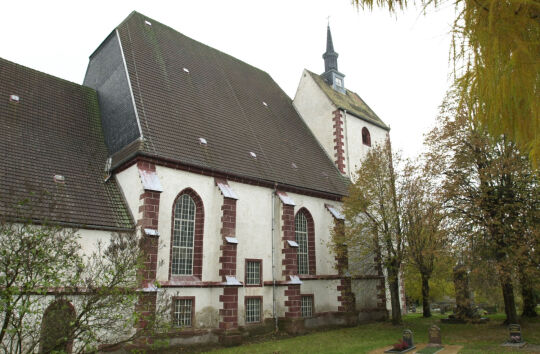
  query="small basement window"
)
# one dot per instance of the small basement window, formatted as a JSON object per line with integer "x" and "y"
{"x": 306, "y": 306}
{"x": 253, "y": 309}
{"x": 183, "y": 311}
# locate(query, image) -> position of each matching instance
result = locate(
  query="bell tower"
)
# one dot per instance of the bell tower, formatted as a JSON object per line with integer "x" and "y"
{"x": 331, "y": 74}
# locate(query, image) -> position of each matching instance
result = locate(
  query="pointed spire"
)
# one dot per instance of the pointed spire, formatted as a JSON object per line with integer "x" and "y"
{"x": 331, "y": 74}
{"x": 329, "y": 43}
{"x": 330, "y": 56}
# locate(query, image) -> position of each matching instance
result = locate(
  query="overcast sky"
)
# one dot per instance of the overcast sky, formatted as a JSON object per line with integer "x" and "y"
{"x": 399, "y": 66}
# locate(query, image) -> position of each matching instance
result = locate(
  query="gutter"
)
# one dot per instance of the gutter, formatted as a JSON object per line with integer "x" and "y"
{"x": 274, "y": 301}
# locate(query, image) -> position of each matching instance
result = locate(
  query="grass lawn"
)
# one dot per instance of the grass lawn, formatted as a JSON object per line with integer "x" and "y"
{"x": 481, "y": 338}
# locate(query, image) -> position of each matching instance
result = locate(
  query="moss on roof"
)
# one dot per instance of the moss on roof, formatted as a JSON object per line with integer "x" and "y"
{"x": 350, "y": 102}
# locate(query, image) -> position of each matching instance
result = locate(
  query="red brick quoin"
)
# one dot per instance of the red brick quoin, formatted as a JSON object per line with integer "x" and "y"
{"x": 229, "y": 313}
{"x": 339, "y": 152}
{"x": 346, "y": 297}
{"x": 290, "y": 262}
{"x": 148, "y": 219}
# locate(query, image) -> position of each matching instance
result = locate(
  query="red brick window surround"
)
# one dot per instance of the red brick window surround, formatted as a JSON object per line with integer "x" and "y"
{"x": 305, "y": 237}
{"x": 366, "y": 137}
{"x": 183, "y": 310}
{"x": 307, "y": 307}
{"x": 187, "y": 229}
{"x": 253, "y": 272}
{"x": 253, "y": 309}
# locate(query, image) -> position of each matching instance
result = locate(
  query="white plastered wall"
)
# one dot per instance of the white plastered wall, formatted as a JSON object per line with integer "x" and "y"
{"x": 254, "y": 234}
{"x": 316, "y": 110}
{"x": 131, "y": 187}
{"x": 355, "y": 150}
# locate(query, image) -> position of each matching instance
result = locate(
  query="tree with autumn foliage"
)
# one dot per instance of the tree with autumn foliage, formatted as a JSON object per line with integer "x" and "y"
{"x": 495, "y": 54}
{"x": 423, "y": 224}
{"x": 491, "y": 193}
{"x": 373, "y": 216}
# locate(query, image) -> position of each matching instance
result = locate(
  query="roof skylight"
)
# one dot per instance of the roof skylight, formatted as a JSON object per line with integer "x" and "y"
{"x": 186, "y": 70}
{"x": 14, "y": 98}
{"x": 202, "y": 141}
{"x": 148, "y": 23}
{"x": 254, "y": 155}
{"x": 265, "y": 104}
{"x": 59, "y": 178}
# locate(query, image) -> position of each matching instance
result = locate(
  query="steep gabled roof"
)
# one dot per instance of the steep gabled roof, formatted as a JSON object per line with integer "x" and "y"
{"x": 185, "y": 90}
{"x": 350, "y": 101}
{"x": 54, "y": 129}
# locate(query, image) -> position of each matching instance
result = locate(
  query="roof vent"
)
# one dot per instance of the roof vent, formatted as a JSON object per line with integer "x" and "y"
{"x": 186, "y": 70}
{"x": 202, "y": 141}
{"x": 148, "y": 23}
{"x": 254, "y": 155}
{"x": 59, "y": 178}
{"x": 265, "y": 104}
{"x": 14, "y": 98}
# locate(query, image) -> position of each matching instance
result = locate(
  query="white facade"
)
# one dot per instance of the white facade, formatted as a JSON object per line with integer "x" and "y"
{"x": 317, "y": 110}
{"x": 254, "y": 233}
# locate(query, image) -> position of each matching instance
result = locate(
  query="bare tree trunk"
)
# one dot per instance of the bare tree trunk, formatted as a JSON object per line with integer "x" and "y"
{"x": 393, "y": 282}
{"x": 426, "y": 309}
{"x": 509, "y": 301}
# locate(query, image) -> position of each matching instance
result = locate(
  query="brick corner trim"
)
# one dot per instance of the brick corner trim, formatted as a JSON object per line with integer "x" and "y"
{"x": 228, "y": 314}
{"x": 339, "y": 151}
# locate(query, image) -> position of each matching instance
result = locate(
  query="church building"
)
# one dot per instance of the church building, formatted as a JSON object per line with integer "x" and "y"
{"x": 233, "y": 187}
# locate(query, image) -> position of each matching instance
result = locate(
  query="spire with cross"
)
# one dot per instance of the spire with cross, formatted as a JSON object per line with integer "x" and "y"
{"x": 331, "y": 74}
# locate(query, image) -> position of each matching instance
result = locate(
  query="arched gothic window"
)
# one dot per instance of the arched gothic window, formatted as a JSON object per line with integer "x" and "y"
{"x": 186, "y": 238}
{"x": 305, "y": 237}
{"x": 366, "y": 137}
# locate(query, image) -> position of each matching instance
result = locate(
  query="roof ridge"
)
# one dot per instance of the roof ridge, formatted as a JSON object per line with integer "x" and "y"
{"x": 190, "y": 38}
{"x": 9, "y": 62}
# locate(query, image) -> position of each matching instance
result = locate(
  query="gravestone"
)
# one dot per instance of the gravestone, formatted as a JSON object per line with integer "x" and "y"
{"x": 408, "y": 338}
{"x": 516, "y": 339}
{"x": 515, "y": 333}
{"x": 434, "y": 336}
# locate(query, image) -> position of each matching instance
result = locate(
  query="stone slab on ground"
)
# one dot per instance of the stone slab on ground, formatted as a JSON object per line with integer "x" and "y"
{"x": 448, "y": 349}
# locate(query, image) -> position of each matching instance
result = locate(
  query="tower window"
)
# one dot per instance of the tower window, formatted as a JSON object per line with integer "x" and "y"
{"x": 366, "y": 137}
{"x": 339, "y": 82}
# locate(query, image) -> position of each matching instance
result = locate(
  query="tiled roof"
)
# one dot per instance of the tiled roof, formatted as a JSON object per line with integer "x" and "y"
{"x": 236, "y": 107}
{"x": 350, "y": 102}
{"x": 54, "y": 129}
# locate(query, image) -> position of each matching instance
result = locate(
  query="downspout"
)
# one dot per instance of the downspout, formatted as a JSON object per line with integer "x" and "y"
{"x": 346, "y": 137}
{"x": 274, "y": 302}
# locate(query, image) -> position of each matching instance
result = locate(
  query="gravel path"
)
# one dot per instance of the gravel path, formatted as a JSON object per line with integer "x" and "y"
{"x": 448, "y": 349}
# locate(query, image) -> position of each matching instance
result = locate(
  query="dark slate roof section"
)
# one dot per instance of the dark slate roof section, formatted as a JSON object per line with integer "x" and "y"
{"x": 236, "y": 107}
{"x": 350, "y": 102}
{"x": 55, "y": 129}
